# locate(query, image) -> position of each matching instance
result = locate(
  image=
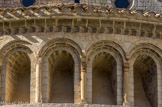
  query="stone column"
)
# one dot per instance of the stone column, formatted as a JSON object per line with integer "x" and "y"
{"x": 37, "y": 87}
{"x": 126, "y": 84}
{"x": 83, "y": 80}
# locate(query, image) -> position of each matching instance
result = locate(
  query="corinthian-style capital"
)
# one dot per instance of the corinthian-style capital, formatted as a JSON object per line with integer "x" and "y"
{"x": 83, "y": 66}
{"x": 126, "y": 66}
{"x": 83, "y": 62}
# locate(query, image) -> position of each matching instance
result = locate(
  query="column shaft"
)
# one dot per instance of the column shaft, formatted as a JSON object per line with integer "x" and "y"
{"x": 126, "y": 83}
{"x": 37, "y": 93}
{"x": 83, "y": 82}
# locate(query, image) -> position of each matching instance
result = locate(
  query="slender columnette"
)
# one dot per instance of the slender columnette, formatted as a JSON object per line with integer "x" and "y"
{"x": 83, "y": 79}
{"x": 125, "y": 83}
{"x": 37, "y": 94}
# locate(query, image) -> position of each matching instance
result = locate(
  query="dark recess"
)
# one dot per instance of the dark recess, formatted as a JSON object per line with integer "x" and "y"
{"x": 121, "y": 3}
{"x": 27, "y": 3}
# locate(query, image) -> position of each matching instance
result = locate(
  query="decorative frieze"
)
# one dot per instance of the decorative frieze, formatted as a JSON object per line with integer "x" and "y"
{"x": 76, "y": 18}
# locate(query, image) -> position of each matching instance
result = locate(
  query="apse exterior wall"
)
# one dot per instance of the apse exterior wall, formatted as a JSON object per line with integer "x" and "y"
{"x": 84, "y": 41}
{"x": 148, "y": 5}
{"x": 61, "y": 105}
{"x": 124, "y": 44}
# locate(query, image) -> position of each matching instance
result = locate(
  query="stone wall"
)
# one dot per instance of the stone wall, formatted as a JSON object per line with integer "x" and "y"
{"x": 81, "y": 34}
{"x": 148, "y": 5}
{"x": 84, "y": 40}
{"x": 61, "y": 105}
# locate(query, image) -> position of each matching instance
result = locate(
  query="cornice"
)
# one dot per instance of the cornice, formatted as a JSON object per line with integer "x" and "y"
{"x": 119, "y": 21}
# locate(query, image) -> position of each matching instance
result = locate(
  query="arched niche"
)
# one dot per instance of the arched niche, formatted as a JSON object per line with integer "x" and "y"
{"x": 104, "y": 79}
{"x": 145, "y": 82}
{"x": 18, "y": 71}
{"x": 61, "y": 77}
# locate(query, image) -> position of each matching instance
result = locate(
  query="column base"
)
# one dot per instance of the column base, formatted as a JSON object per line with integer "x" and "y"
{"x": 125, "y": 104}
{"x": 84, "y": 102}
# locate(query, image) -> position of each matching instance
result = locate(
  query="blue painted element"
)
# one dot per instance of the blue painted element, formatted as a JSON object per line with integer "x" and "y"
{"x": 122, "y": 3}
{"x": 27, "y": 3}
{"x": 77, "y": 1}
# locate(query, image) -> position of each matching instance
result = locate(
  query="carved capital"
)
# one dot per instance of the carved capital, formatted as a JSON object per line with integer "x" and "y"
{"x": 126, "y": 67}
{"x": 83, "y": 62}
{"x": 83, "y": 66}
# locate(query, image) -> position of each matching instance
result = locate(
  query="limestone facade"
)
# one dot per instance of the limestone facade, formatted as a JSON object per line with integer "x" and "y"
{"x": 148, "y": 5}
{"x": 122, "y": 51}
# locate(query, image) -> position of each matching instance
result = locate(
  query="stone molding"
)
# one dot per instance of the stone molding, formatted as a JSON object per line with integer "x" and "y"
{"x": 79, "y": 18}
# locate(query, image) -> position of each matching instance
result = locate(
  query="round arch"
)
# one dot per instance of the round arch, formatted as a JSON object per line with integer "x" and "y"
{"x": 150, "y": 46}
{"x": 6, "y": 51}
{"x": 100, "y": 47}
{"x": 11, "y": 44}
{"x": 50, "y": 47}
{"x": 106, "y": 43}
{"x": 133, "y": 55}
{"x": 46, "y": 45}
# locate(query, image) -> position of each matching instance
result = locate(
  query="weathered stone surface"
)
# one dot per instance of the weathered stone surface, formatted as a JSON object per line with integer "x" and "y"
{"x": 61, "y": 41}
{"x": 149, "y": 5}
{"x": 60, "y": 105}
